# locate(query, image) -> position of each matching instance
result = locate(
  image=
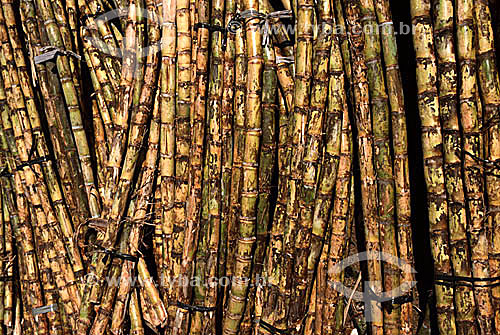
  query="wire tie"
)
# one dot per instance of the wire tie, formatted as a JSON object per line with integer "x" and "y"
{"x": 116, "y": 254}
{"x": 44, "y": 309}
{"x": 192, "y": 308}
{"x": 51, "y": 52}
{"x": 273, "y": 330}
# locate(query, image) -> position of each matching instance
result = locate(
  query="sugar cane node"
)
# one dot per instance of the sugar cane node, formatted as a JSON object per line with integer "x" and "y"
{"x": 193, "y": 308}
{"x": 51, "y": 52}
{"x": 284, "y": 59}
{"x": 454, "y": 281}
{"x": 6, "y": 278}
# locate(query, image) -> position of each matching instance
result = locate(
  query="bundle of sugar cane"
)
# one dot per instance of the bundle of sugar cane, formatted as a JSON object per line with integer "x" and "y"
{"x": 197, "y": 167}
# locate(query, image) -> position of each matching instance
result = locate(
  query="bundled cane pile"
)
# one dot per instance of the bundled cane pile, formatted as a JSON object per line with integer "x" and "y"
{"x": 241, "y": 167}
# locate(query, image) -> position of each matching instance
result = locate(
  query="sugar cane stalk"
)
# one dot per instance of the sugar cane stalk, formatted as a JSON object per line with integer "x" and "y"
{"x": 250, "y": 183}
{"x": 428, "y": 105}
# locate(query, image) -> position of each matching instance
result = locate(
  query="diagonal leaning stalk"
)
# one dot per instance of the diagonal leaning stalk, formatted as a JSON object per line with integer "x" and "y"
{"x": 27, "y": 110}
{"x": 59, "y": 265}
{"x": 140, "y": 216}
{"x": 73, "y": 106}
{"x": 337, "y": 246}
{"x": 103, "y": 37}
{"x": 116, "y": 210}
{"x": 101, "y": 149}
{"x": 65, "y": 151}
{"x": 47, "y": 279}
{"x": 274, "y": 295}
{"x": 343, "y": 40}
{"x": 271, "y": 312}
{"x": 144, "y": 106}
{"x": 17, "y": 124}
{"x": 69, "y": 173}
{"x": 61, "y": 18}
{"x": 104, "y": 90}
{"x": 8, "y": 210}
{"x": 124, "y": 106}
{"x": 24, "y": 238}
